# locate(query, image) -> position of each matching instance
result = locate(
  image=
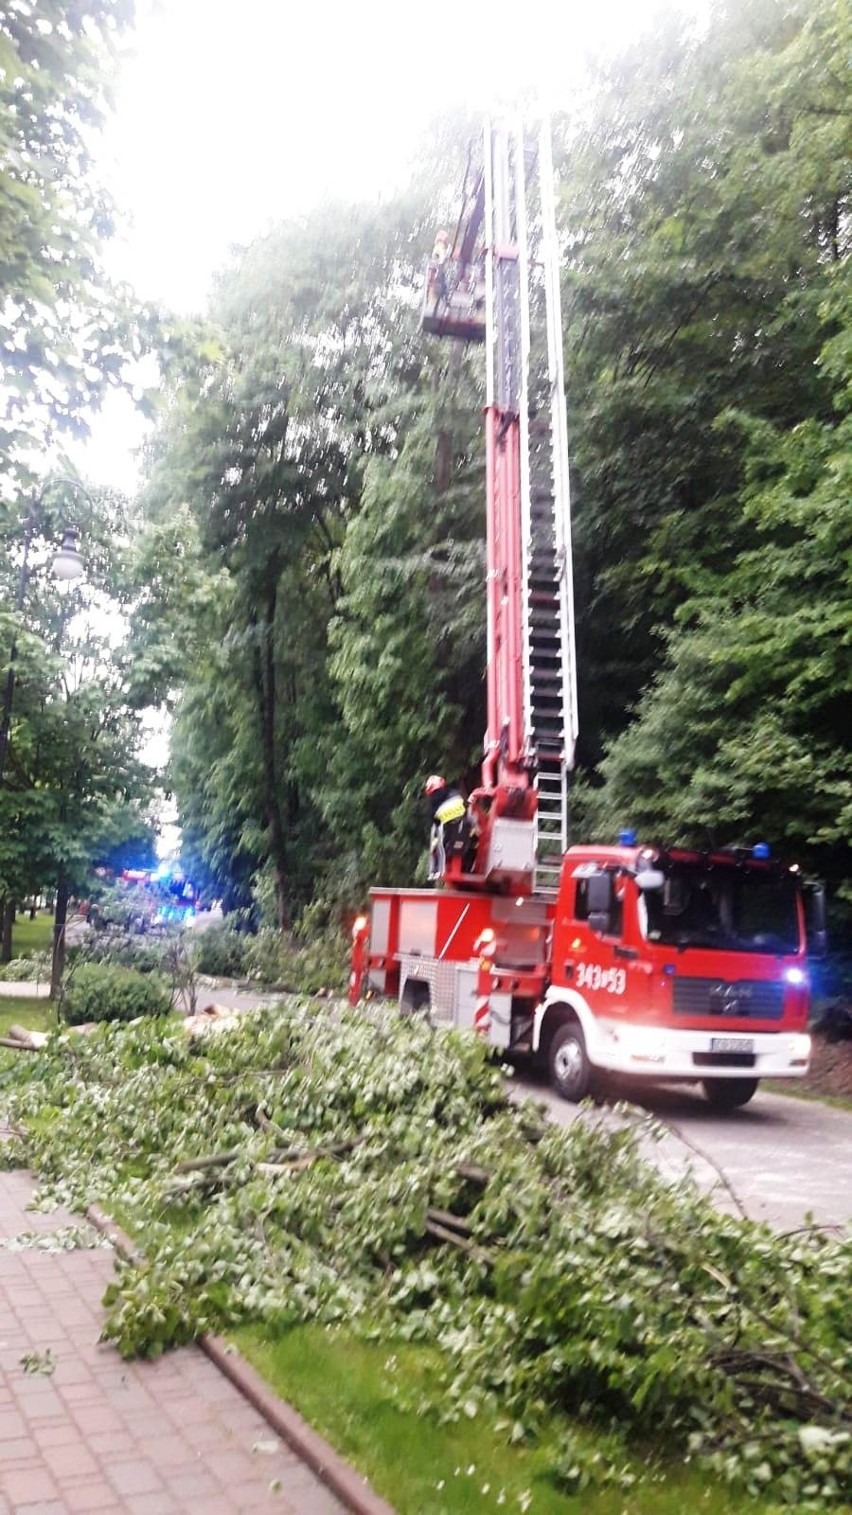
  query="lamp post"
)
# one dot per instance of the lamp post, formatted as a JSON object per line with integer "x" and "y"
{"x": 67, "y": 564}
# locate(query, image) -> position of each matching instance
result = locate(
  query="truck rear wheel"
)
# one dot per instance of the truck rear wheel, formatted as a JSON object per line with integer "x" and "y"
{"x": 729, "y": 1093}
{"x": 570, "y": 1069}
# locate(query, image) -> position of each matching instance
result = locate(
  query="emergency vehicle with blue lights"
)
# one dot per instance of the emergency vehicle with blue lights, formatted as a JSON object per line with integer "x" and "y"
{"x": 662, "y": 963}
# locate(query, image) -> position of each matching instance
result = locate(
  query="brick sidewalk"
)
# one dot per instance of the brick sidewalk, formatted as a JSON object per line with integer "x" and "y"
{"x": 99, "y": 1436}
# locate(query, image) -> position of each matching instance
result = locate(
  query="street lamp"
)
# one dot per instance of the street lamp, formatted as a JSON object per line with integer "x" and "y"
{"x": 67, "y": 564}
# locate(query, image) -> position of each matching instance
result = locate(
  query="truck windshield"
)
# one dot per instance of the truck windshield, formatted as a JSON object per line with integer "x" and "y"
{"x": 731, "y": 909}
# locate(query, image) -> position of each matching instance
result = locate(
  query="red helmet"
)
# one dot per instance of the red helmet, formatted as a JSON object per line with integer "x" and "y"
{"x": 434, "y": 783}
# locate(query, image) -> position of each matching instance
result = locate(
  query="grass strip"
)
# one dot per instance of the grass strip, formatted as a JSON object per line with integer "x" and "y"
{"x": 792, "y": 1090}
{"x": 367, "y": 1400}
{"x": 18, "y": 1009}
{"x": 32, "y": 936}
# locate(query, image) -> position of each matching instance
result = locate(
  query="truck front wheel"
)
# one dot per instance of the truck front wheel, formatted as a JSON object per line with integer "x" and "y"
{"x": 570, "y": 1069}
{"x": 729, "y": 1093}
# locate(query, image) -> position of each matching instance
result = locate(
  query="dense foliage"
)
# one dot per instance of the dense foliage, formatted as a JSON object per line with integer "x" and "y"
{"x": 327, "y": 464}
{"x": 73, "y": 787}
{"x": 715, "y": 395}
{"x": 320, "y": 1166}
{"x": 315, "y": 601}
{"x": 63, "y": 333}
{"x": 108, "y": 992}
{"x": 72, "y": 792}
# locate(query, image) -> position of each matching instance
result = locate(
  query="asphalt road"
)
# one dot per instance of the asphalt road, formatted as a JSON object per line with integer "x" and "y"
{"x": 784, "y": 1159}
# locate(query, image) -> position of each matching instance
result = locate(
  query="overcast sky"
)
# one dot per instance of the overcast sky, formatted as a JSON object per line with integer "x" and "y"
{"x": 235, "y": 112}
{"x": 231, "y": 114}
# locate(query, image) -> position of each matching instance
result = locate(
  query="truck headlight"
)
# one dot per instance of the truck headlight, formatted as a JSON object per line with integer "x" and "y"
{"x": 643, "y": 1045}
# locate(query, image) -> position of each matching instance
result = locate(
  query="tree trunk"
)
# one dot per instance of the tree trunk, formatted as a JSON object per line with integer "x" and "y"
{"x": 8, "y": 913}
{"x": 264, "y": 681}
{"x": 57, "y": 966}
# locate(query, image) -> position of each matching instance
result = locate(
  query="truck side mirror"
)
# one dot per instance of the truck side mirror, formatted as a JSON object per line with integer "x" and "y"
{"x": 815, "y": 920}
{"x": 599, "y": 897}
{"x": 599, "y": 893}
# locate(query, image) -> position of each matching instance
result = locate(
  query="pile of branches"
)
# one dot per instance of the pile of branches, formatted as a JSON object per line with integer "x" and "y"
{"x": 315, "y": 1164}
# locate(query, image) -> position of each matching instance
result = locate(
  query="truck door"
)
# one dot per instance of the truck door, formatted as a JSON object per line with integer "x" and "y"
{"x": 599, "y": 907}
{"x": 599, "y": 952}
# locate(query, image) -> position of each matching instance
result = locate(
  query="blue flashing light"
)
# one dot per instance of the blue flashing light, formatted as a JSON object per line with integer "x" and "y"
{"x": 761, "y": 851}
{"x": 670, "y": 969}
{"x": 627, "y": 838}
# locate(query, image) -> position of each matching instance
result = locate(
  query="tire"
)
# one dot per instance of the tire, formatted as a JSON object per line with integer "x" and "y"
{"x": 729, "y": 1093}
{"x": 568, "y": 1062}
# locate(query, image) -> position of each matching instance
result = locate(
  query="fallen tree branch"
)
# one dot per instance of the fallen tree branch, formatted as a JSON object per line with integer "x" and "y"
{"x": 442, "y": 1233}
{"x": 474, "y": 1172}
{"x": 711, "y": 1162}
{"x": 311, "y": 1154}
{"x": 450, "y": 1221}
{"x": 264, "y": 1123}
{"x": 212, "y": 1160}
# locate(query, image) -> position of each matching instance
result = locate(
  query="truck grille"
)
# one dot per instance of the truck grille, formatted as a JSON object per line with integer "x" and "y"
{"x": 749, "y": 998}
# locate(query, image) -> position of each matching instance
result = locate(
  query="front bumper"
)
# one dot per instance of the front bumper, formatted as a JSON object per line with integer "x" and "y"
{"x": 663, "y": 1052}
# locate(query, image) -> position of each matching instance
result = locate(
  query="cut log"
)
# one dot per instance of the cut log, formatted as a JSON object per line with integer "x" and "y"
{"x": 34, "y": 1039}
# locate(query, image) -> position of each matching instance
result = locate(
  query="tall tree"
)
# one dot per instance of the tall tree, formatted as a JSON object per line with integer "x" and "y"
{"x": 64, "y": 333}
{"x": 72, "y": 787}
{"x": 705, "y": 202}
{"x": 743, "y": 734}
{"x": 321, "y": 364}
{"x": 408, "y": 641}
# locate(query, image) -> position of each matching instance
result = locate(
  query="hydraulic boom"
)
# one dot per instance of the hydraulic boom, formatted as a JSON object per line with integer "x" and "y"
{"x": 505, "y": 258}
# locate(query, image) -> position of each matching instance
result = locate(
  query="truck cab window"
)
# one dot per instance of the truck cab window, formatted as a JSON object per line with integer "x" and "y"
{"x": 728, "y": 908}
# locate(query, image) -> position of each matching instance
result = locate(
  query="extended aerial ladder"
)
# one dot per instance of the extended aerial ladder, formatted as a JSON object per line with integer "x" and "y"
{"x": 499, "y": 282}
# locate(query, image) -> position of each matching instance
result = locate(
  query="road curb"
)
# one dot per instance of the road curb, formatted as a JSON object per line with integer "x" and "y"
{"x": 322, "y": 1459}
{"x": 313, "y": 1449}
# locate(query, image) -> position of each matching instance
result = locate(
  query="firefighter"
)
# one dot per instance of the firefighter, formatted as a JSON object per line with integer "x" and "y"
{"x": 449, "y": 823}
{"x": 441, "y": 250}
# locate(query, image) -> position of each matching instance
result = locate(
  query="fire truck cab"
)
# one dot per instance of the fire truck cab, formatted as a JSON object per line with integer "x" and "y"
{"x": 676, "y": 965}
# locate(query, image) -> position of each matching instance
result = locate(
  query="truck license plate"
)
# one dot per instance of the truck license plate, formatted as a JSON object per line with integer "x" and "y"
{"x": 731, "y": 1044}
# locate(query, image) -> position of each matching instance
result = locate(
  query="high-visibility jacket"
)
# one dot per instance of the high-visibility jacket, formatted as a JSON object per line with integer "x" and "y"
{"x": 450, "y": 809}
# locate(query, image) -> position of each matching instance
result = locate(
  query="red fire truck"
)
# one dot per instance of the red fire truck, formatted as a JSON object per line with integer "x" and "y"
{"x": 630, "y": 959}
